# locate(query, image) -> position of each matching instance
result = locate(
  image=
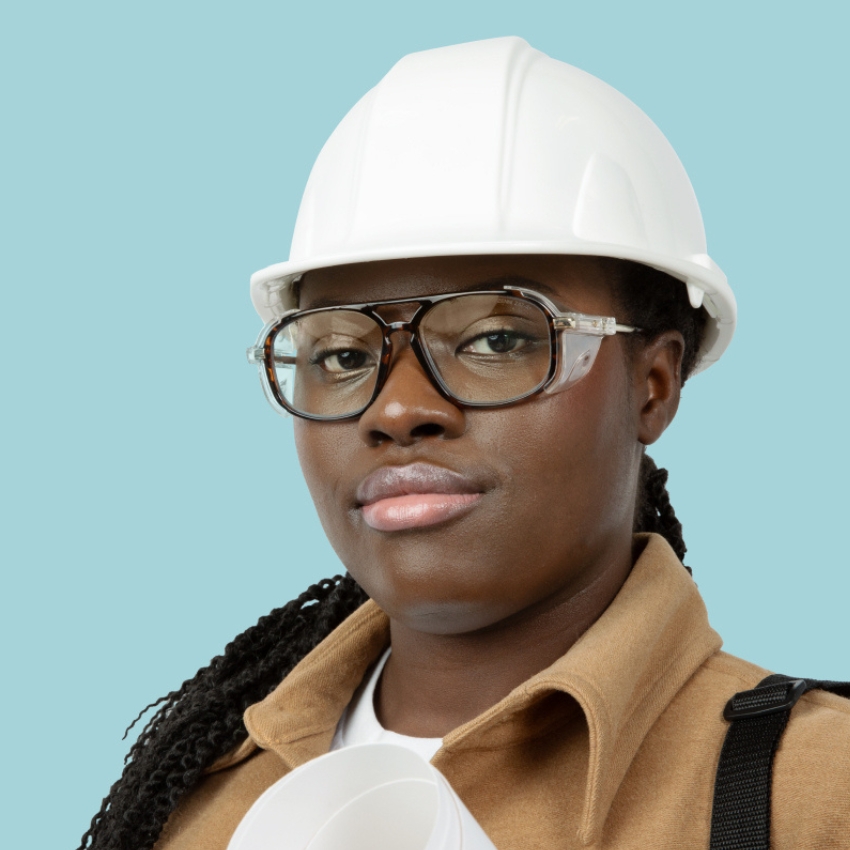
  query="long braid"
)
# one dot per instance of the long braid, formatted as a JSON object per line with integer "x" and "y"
{"x": 202, "y": 720}
{"x": 653, "y": 511}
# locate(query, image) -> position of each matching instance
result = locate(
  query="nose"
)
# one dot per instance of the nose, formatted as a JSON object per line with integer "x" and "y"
{"x": 409, "y": 408}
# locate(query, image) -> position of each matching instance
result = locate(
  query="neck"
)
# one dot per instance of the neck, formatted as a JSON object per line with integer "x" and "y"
{"x": 433, "y": 683}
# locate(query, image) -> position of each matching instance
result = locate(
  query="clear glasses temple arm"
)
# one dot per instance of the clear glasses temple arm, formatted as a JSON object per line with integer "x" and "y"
{"x": 578, "y": 322}
{"x": 256, "y": 355}
{"x": 595, "y": 325}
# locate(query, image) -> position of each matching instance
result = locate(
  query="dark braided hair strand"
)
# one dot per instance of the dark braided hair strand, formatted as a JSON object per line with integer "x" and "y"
{"x": 654, "y": 512}
{"x": 202, "y": 720}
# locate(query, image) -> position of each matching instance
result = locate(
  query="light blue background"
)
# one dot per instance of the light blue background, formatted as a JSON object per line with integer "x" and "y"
{"x": 153, "y": 157}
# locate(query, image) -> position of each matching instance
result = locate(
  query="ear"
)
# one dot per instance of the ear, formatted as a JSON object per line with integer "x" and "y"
{"x": 657, "y": 384}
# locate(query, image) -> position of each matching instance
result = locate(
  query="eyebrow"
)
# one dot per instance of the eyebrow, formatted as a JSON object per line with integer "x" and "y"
{"x": 509, "y": 280}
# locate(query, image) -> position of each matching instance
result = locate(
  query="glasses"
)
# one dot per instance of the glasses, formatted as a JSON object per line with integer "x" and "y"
{"x": 479, "y": 349}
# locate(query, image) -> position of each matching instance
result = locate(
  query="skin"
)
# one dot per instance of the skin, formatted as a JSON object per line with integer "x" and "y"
{"x": 483, "y": 601}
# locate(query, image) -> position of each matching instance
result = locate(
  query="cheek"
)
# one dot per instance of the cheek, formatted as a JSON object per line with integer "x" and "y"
{"x": 568, "y": 466}
{"x": 577, "y": 453}
{"x": 320, "y": 448}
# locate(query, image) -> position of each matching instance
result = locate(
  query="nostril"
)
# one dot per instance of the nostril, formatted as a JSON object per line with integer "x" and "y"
{"x": 428, "y": 429}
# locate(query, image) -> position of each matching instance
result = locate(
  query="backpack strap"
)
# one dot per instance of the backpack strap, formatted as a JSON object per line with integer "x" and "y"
{"x": 740, "y": 818}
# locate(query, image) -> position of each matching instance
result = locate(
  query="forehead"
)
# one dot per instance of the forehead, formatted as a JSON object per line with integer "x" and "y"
{"x": 575, "y": 283}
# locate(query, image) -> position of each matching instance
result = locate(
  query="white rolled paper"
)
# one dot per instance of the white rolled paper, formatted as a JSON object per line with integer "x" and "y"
{"x": 366, "y": 797}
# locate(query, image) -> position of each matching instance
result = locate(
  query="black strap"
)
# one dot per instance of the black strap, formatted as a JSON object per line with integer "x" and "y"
{"x": 740, "y": 819}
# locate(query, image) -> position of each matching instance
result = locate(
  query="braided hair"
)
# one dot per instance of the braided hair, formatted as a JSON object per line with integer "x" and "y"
{"x": 202, "y": 720}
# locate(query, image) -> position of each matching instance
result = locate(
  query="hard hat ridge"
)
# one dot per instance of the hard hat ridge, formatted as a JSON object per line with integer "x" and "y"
{"x": 493, "y": 147}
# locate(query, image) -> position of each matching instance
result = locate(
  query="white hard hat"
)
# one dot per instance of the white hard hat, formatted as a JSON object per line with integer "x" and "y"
{"x": 495, "y": 148}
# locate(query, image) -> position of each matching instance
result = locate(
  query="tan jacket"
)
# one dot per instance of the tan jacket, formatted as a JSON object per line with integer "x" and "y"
{"x": 613, "y": 746}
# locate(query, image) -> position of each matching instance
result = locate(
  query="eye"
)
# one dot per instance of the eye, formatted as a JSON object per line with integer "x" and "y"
{"x": 498, "y": 342}
{"x": 342, "y": 360}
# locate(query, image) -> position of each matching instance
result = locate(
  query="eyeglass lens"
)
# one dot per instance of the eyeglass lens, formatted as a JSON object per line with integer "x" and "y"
{"x": 483, "y": 348}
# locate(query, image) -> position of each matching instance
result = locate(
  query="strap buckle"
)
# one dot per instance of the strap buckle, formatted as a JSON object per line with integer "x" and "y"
{"x": 764, "y": 700}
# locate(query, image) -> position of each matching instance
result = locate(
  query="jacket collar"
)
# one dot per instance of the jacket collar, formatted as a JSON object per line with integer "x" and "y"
{"x": 623, "y": 672}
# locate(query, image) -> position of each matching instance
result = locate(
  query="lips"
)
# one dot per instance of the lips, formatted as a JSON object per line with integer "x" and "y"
{"x": 417, "y": 495}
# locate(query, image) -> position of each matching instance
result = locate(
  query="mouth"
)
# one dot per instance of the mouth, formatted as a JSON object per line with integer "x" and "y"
{"x": 395, "y": 498}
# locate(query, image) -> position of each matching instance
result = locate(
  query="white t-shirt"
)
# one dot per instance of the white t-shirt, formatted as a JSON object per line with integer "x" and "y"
{"x": 359, "y": 724}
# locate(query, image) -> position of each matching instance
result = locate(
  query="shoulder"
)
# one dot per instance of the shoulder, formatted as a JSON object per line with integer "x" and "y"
{"x": 207, "y": 816}
{"x": 811, "y": 775}
{"x": 811, "y": 771}
{"x": 818, "y": 718}
{"x": 819, "y": 722}
{"x": 724, "y": 675}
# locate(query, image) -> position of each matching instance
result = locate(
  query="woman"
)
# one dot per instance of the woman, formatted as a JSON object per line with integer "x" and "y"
{"x": 498, "y": 285}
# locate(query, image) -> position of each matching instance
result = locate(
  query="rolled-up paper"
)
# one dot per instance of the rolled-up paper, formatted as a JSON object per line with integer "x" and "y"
{"x": 366, "y": 797}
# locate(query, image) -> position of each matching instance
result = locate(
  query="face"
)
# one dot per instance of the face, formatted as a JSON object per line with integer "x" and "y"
{"x": 456, "y": 519}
